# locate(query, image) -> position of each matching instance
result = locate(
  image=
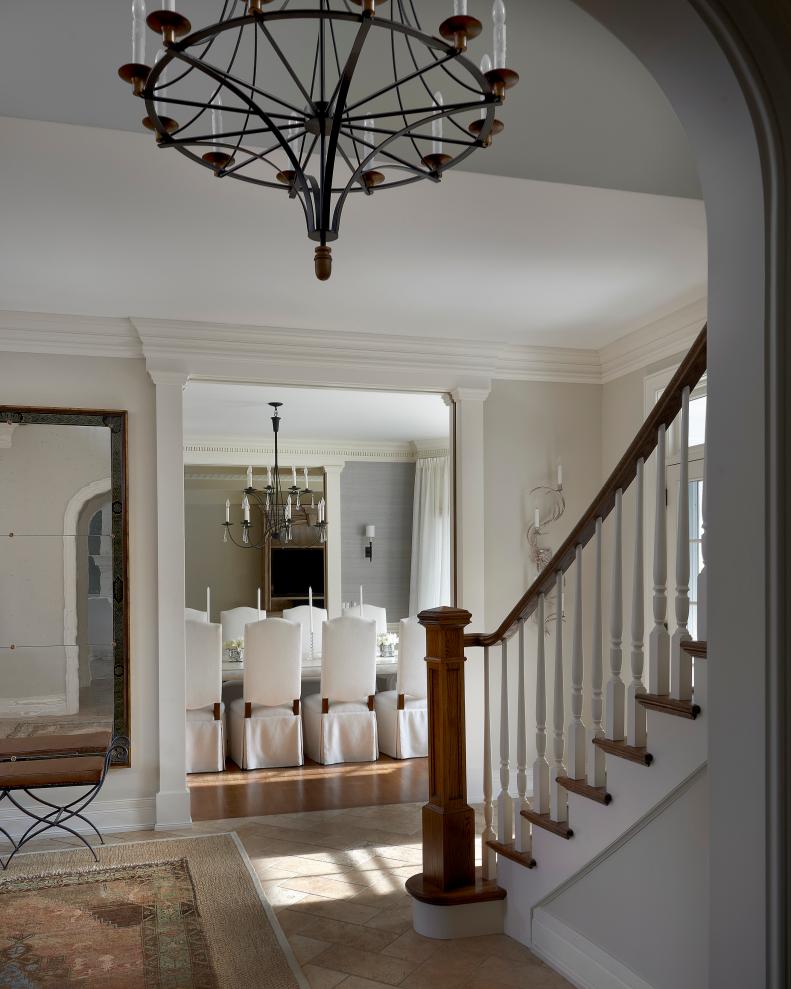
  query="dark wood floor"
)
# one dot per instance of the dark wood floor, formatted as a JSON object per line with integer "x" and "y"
{"x": 235, "y": 793}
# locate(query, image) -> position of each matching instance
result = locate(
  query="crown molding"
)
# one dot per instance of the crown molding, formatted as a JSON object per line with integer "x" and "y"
{"x": 230, "y": 352}
{"x": 56, "y": 333}
{"x": 223, "y": 451}
{"x": 657, "y": 341}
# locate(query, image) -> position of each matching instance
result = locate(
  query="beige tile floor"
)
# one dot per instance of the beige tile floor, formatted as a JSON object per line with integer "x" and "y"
{"x": 336, "y": 880}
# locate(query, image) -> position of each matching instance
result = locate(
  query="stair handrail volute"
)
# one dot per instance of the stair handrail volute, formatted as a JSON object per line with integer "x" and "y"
{"x": 688, "y": 374}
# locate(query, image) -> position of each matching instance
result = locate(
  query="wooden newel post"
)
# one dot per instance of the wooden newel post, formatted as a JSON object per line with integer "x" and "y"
{"x": 448, "y": 821}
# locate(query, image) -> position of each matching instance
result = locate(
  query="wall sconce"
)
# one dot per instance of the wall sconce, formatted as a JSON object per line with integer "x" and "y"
{"x": 541, "y": 555}
{"x": 370, "y": 532}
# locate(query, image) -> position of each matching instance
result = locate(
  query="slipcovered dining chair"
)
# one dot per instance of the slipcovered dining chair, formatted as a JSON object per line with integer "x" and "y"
{"x": 301, "y": 614}
{"x": 340, "y": 721}
{"x": 402, "y": 714}
{"x": 378, "y": 614}
{"x": 195, "y": 615}
{"x": 205, "y": 721}
{"x": 234, "y": 620}
{"x": 264, "y": 724}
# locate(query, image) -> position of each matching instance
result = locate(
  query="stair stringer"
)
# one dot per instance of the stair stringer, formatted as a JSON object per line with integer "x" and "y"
{"x": 679, "y": 748}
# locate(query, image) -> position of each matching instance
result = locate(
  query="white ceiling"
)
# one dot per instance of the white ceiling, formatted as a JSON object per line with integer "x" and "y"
{"x": 102, "y": 222}
{"x": 241, "y": 411}
{"x": 585, "y": 113}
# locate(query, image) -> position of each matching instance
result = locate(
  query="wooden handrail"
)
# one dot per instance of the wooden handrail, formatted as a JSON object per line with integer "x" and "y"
{"x": 664, "y": 412}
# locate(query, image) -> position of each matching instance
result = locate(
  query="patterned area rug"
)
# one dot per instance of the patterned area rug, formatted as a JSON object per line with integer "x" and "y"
{"x": 182, "y": 913}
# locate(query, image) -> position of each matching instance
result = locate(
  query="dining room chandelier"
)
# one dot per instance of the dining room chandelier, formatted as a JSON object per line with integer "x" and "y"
{"x": 320, "y": 98}
{"x": 278, "y": 508}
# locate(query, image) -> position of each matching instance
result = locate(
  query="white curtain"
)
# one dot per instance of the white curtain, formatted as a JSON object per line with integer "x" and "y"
{"x": 429, "y": 582}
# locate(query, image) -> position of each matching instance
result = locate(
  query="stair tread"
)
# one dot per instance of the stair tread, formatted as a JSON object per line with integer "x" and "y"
{"x": 696, "y": 647}
{"x": 583, "y": 789}
{"x": 560, "y": 828}
{"x": 508, "y": 850}
{"x": 669, "y": 705}
{"x": 618, "y": 747}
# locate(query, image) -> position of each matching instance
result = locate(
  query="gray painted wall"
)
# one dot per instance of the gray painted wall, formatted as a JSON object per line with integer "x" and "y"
{"x": 380, "y": 494}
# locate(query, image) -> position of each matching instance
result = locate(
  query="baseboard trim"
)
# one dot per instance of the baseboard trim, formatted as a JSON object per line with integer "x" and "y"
{"x": 133, "y": 814}
{"x": 579, "y": 960}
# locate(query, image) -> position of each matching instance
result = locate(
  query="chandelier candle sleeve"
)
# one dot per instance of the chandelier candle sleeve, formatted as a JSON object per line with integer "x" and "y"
{"x": 436, "y": 127}
{"x": 305, "y": 472}
{"x": 293, "y": 477}
{"x": 498, "y": 16}
{"x": 361, "y": 601}
{"x": 459, "y": 8}
{"x": 227, "y": 510}
{"x": 560, "y": 476}
{"x": 249, "y": 477}
{"x": 139, "y": 32}
{"x": 486, "y": 66}
{"x": 246, "y": 508}
{"x": 259, "y": 604}
{"x": 269, "y": 477}
{"x": 217, "y": 124}
{"x": 536, "y": 520}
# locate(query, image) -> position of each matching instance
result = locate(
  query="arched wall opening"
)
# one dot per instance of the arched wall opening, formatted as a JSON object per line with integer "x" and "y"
{"x": 704, "y": 54}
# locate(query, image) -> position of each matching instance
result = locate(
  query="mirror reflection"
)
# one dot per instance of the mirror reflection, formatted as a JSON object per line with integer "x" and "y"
{"x": 58, "y": 569}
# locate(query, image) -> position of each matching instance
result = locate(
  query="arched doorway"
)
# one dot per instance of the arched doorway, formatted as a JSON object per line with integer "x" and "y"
{"x": 705, "y": 56}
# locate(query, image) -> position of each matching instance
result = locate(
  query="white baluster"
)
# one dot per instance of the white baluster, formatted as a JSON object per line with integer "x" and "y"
{"x": 557, "y": 794}
{"x": 488, "y": 857}
{"x": 505, "y": 804}
{"x": 521, "y": 826}
{"x": 596, "y": 767}
{"x": 575, "y": 756}
{"x": 659, "y": 639}
{"x": 616, "y": 692}
{"x": 681, "y": 662}
{"x": 541, "y": 766}
{"x": 635, "y": 713}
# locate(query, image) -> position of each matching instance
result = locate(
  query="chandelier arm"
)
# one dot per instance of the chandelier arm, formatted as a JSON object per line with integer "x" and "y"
{"x": 398, "y": 88}
{"x": 286, "y": 64}
{"x": 422, "y": 172}
{"x": 450, "y": 107}
{"x": 328, "y": 165}
{"x": 228, "y": 77}
{"x": 306, "y": 199}
{"x": 235, "y": 52}
{"x": 257, "y": 156}
{"x": 417, "y": 137}
{"x": 205, "y": 51}
{"x": 352, "y": 166}
{"x": 338, "y": 68}
{"x": 445, "y": 69}
{"x": 306, "y": 159}
{"x": 442, "y": 112}
{"x": 449, "y": 56}
{"x": 414, "y": 14}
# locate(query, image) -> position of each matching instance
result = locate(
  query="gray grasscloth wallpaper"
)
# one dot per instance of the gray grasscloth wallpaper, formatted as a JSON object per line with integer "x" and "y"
{"x": 380, "y": 494}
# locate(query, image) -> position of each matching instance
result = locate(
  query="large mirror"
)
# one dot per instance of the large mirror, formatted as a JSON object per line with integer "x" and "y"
{"x": 64, "y": 613}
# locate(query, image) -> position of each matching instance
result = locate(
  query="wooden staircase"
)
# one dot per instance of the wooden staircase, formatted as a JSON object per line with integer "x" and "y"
{"x": 583, "y": 788}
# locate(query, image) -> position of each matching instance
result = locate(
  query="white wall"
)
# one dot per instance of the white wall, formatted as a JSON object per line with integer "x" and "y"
{"x": 528, "y": 428}
{"x": 645, "y": 905}
{"x": 106, "y": 383}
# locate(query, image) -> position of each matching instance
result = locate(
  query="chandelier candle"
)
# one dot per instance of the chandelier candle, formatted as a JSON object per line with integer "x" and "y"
{"x": 270, "y": 94}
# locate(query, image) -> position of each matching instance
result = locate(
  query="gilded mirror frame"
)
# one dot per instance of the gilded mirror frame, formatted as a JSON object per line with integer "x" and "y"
{"x": 116, "y": 422}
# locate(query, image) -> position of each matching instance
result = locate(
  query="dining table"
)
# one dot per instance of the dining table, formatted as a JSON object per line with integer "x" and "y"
{"x": 386, "y": 669}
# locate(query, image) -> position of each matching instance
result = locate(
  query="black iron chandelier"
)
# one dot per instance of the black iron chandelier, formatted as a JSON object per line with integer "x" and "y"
{"x": 278, "y": 508}
{"x": 320, "y": 98}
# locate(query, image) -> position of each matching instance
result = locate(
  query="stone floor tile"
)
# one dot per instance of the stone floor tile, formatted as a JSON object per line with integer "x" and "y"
{"x": 412, "y": 946}
{"x": 322, "y": 978}
{"x": 355, "y": 982}
{"x": 336, "y": 931}
{"x": 369, "y": 964}
{"x": 306, "y": 948}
